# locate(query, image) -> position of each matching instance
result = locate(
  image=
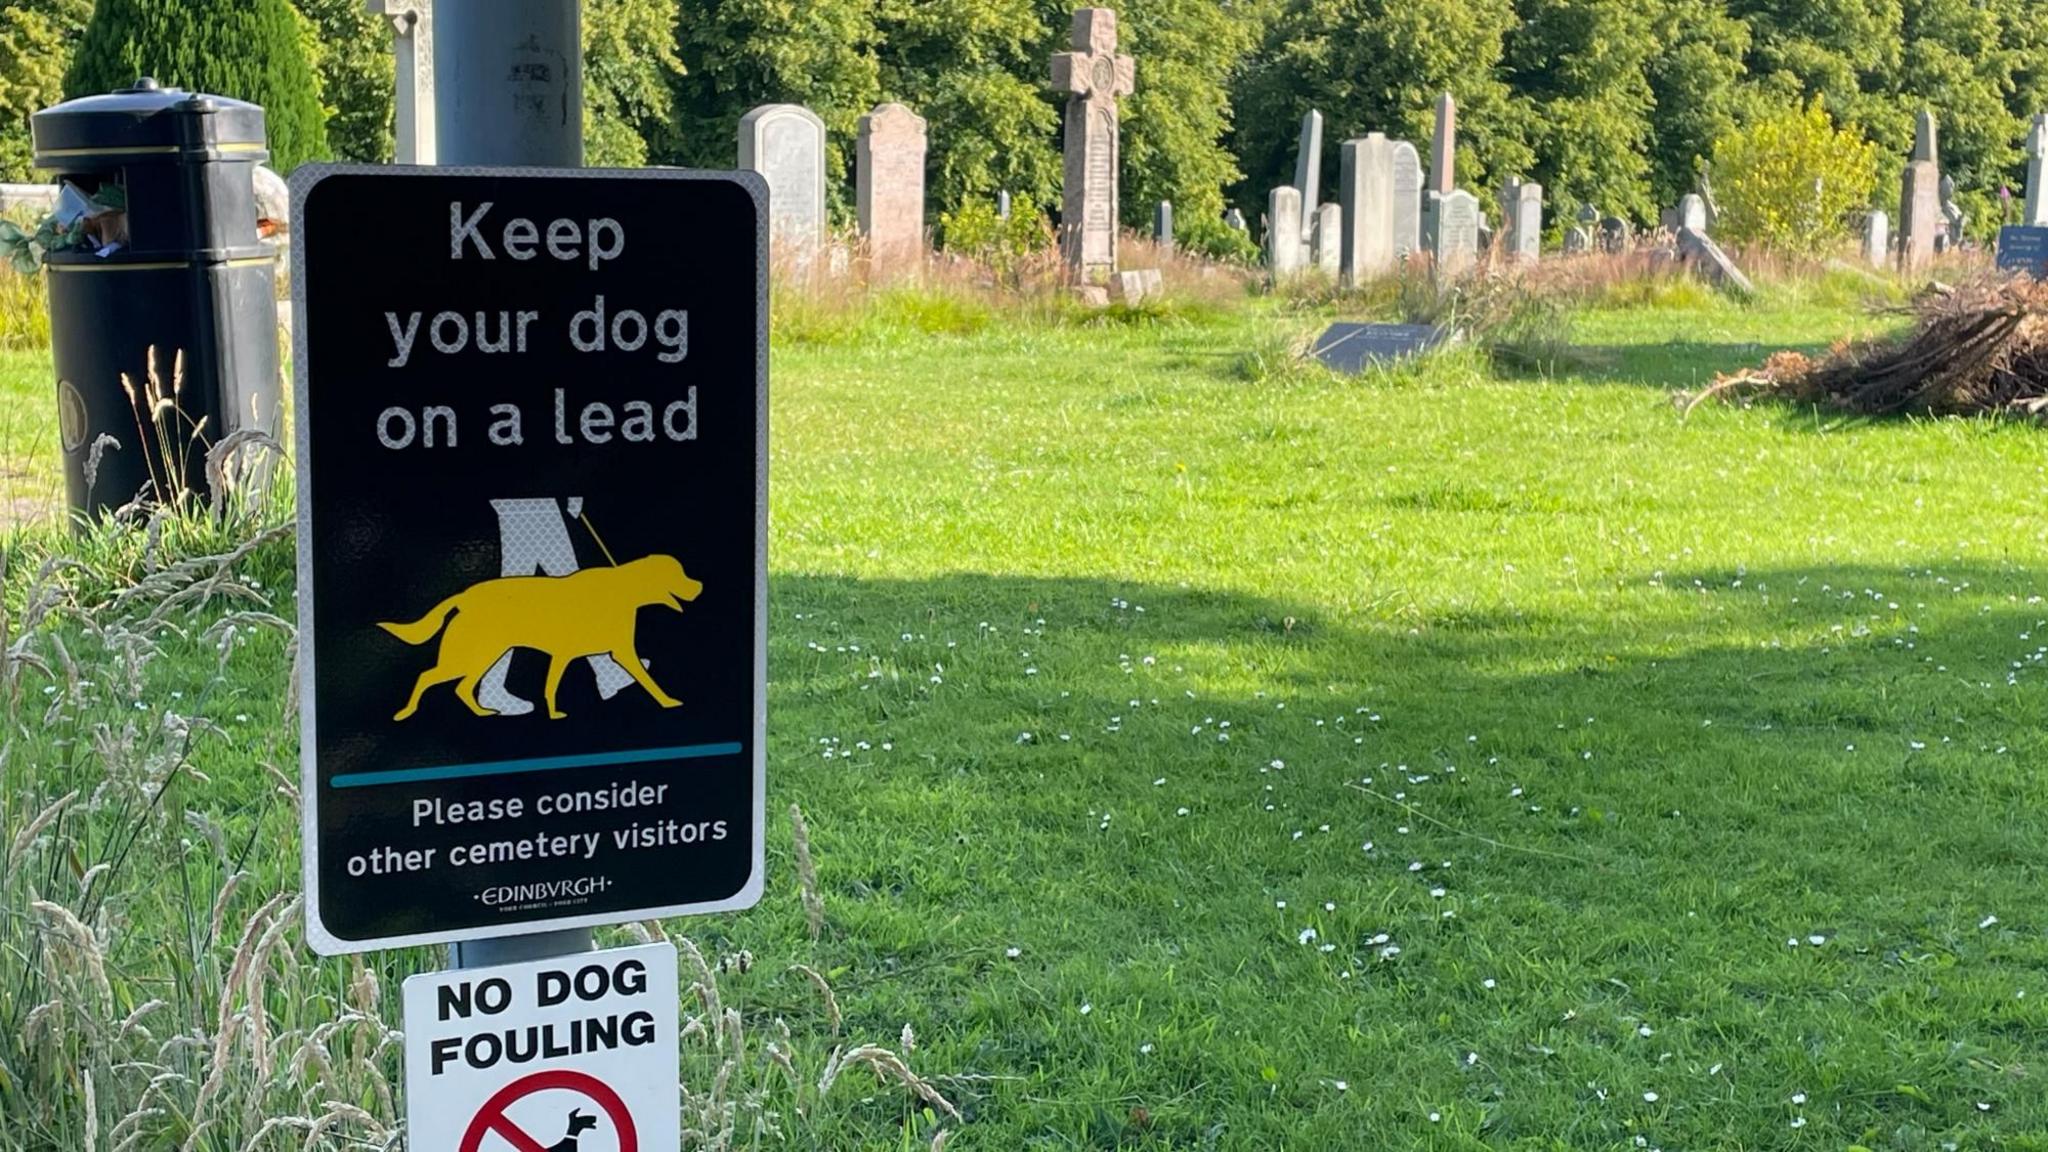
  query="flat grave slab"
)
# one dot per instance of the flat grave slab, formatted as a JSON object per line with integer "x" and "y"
{"x": 1351, "y": 347}
{"x": 2023, "y": 249}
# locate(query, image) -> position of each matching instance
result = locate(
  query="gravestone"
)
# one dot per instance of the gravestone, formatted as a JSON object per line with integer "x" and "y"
{"x": 1329, "y": 240}
{"x": 2024, "y": 248}
{"x": 1616, "y": 236}
{"x": 1092, "y": 77}
{"x": 1706, "y": 192}
{"x": 785, "y": 143}
{"x": 1692, "y": 212}
{"x": 1443, "y": 147}
{"x": 1351, "y": 348}
{"x": 1308, "y": 163}
{"x": 1521, "y": 210}
{"x": 1283, "y": 232}
{"x": 1578, "y": 241}
{"x": 1162, "y": 226}
{"x": 1003, "y": 204}
{"x": 889, "y": 188}
{"x": 1707, "y": 258}
{"x": 1926, "y": 142}
{"x": 1955, "y": 221}
{"x": 1234, "y": 220}
{"x": 1457, "y": 230}
{"x": 1366, "y": 172}
{"x": 1407, "y": 200}
{"x": 1135, "y": 286}
{"x": 1919, "y": 214}
{"x": 413, "y": 107}
{"x": 1877, "y": 239}
{"x": 2036, "y": 212}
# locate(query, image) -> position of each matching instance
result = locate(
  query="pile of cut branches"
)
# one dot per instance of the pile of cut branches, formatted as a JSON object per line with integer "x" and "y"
{"x": 1980, "y": 348}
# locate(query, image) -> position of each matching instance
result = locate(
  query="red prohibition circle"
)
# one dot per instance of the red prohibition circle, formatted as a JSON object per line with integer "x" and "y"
{"x": 491, "y": 1117}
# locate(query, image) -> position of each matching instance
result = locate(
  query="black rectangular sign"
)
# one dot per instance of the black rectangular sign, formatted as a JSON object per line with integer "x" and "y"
{"x": 532, "y": 480}
{"x": 2023, "y": 249}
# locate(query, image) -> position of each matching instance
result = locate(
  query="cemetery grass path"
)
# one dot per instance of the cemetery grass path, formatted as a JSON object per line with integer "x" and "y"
{"x": 1698, "y": 762}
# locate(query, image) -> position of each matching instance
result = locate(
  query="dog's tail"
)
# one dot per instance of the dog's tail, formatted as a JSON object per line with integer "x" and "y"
{"x": 423, "y": 629}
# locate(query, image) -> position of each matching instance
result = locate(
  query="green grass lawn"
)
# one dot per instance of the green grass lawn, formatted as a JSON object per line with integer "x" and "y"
{"x": 1426, "y": 760}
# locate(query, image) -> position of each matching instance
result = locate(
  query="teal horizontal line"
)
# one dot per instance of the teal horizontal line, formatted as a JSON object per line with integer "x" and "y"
{"x": 536, "y": 764}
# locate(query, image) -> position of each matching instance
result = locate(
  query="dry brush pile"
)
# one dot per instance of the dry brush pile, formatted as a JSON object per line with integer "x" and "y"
{"x": 1978, "y": 349}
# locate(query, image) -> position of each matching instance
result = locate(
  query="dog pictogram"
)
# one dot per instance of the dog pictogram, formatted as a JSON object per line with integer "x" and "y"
{"x": 591, "y": 612}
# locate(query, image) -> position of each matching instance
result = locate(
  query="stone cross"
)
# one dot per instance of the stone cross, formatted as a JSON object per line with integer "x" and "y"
{"x": 1366, "y": 185}
{"x": 413, "y": 21}
{"x": 2037, "y": 174}
{"x": 1092, "y": 76}
{"x": 1308, "y": 163}
{"x": 1443, "y": 147}
{"x": 785, "y": 143}
{"x": 1283, "y": 232}
{"x": 889, "y": 189}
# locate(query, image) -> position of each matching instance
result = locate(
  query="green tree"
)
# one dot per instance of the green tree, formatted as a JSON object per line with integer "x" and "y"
{"x": 630, "y": 68}
{"x": 351, "y": 52}
{"x": 743, "y": 53}
{"x": 1789, "y": 179}
{"x": 1379, "y": 65}
{"x": 245, "y": 49}
{"x": 1578, "y": 68}
{"x": 1176, "y": 123}
{"x": 1697, "y": 85}
{"x": 37, "y": 38}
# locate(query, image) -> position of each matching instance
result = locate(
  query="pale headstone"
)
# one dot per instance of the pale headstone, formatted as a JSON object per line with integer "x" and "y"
{"x": 1407, "y": 200}
{"x": 1162, "y": 226}
{"x": 1523, "y": 219}
{"x": 1919, "y": 214}
{"x": 1367, "y": 188}
{"x": 1457, "y": 230}
{"x": 785, "y": 143}
{"x": 413, "y": 108}
{"x": 1877, "y": 239}
{"x": 1234, "y": 220}
{"x": 1092, "y": 77}
{"x": 1135, "y": 286}
{"x": 1308, "y": 163}
{"x": 2036, "y": 213}
{"x": 1329, "y": 240}
{"x": 889, "y": 188}
{"x": 1443, "y": 147}
{"x": 1003, "y": 204}
{"x": 1692, "y": 212}
{"x": 1283, "y": 232}
{"x": 1577, "y": 241}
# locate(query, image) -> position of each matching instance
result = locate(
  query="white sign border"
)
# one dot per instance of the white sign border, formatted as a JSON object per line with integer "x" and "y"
{"x": 302, "y": 182}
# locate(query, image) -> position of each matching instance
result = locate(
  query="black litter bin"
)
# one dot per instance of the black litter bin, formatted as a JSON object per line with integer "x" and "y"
{"x": 187, "y": 276}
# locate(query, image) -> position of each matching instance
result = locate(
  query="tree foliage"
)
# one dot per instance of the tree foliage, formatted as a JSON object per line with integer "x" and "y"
{"x": 246, "y": 49}
{"x": 351, "y": 52}
{"x": 37, "y": 38}
{"x": 1790, "y": 178}
{"x": 630, "y": 68}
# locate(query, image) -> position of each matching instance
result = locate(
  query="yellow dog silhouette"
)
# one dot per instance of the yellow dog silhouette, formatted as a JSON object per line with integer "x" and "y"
{"x": 587, "y": 613}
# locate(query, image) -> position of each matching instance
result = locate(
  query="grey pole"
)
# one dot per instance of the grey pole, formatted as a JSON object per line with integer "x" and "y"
{"x": 508, "y": 80}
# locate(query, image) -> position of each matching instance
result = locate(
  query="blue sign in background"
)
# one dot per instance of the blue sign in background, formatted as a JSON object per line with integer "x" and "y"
{"x": 2023, "y": 249}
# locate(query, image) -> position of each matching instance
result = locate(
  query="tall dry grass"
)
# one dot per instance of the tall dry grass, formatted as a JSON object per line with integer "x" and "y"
{"x": 155, "y": 989}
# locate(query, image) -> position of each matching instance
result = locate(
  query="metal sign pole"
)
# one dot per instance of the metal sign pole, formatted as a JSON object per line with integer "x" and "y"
{"x": 508, "y": 80}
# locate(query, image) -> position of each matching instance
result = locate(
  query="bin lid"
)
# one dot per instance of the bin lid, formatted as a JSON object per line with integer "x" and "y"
{"x": 146, "y": 118}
